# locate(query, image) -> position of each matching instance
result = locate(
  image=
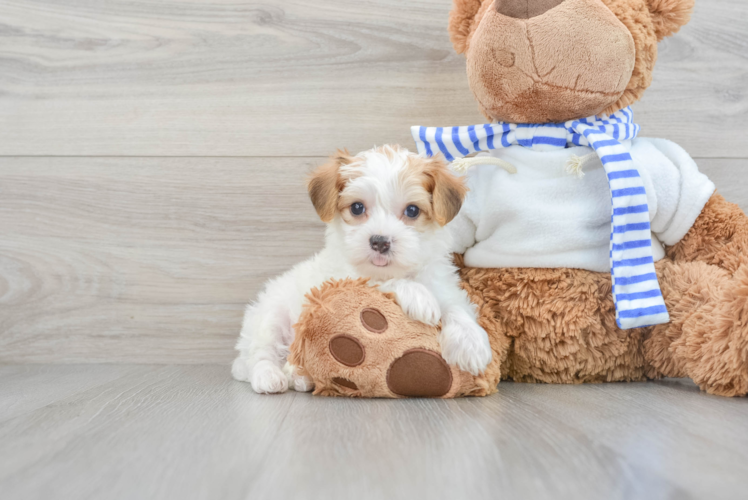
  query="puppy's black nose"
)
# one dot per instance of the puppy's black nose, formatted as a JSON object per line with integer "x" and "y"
{"x": 380, "y": 244}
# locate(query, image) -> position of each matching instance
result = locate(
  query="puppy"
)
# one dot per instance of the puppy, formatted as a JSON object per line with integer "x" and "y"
{"x": 385, "y": 210}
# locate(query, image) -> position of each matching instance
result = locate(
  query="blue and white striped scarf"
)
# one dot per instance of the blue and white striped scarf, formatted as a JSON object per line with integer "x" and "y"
{"x": 636, "y": 292}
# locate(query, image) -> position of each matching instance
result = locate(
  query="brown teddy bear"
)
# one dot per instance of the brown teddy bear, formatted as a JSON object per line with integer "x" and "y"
{"x": 548, "y": 306}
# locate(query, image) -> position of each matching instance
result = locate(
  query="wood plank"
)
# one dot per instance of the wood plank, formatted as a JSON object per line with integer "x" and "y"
{"x": 730, "y": 177}
{"x": 190, "y": 431}
{"x": 152, "y": 417}
{"x": 143, "y": 260}
{"x": 25, "y": 388}
{"x": 698, "y": 95}
{"x": 152, "y": 260}
{"x": 300, "y": 77}
{"x": 653, "y": 423}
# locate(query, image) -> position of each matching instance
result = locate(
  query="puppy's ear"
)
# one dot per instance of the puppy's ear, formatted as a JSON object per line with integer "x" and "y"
{"x": 669, "y": 16}
{"x": 447, "y": 190}
{"x": 325, "y": 184}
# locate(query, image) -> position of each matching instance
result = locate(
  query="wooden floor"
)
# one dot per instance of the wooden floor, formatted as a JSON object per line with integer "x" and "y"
{"x": 174, "y": 432}
{"x": 152, "y": 163}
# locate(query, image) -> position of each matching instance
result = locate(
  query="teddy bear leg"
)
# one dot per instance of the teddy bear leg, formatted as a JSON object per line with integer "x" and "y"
{"x": 707, "y": 337}
{"x": 354, "y": 340}
{"x": 555, "y": 325}
{"x": 719, "y": 236}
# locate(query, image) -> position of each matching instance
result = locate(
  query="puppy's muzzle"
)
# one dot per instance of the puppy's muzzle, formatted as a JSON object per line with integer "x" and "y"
{"x": 380, "y": 244}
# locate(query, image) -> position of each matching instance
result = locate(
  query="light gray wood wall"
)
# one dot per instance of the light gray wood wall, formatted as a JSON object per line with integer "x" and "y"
{"x": 152, "y": 154}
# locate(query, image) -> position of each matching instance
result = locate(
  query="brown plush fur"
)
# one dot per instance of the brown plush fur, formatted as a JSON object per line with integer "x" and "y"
{"x": 540, "y": 69}
{"x": 718, "y": 237}
{"x": 668, "y": 16}
{"x": 558, "y": 325}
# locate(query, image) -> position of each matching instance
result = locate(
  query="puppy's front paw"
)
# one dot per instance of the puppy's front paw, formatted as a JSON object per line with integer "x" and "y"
{"x": 267, "y": 378}
{"x": 299, "y": 383}
{"x": 465, "y": 344}
{"x": 419, "y": 303}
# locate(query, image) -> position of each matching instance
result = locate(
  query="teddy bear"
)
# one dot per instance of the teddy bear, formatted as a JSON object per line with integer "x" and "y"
{"x": 591, "y": 254}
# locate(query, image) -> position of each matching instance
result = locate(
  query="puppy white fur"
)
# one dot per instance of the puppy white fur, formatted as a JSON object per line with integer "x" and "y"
{"x": 385, "y": 211}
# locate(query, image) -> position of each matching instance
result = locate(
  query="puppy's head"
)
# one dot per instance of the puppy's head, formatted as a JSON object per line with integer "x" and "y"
{"x": 387, "y": 206}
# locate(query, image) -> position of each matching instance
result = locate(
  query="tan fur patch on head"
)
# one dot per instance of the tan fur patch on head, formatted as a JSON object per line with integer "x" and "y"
{"x": 414, "y": 183}
{"x": 325, "y": 184}
{"x": 447, "y": 190}
{"x": 391, "y": 151}
{"x": 426, "y": 183}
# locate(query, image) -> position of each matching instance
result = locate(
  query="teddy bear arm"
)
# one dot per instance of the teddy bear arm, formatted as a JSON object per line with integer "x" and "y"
{"x": 718, "y": 237}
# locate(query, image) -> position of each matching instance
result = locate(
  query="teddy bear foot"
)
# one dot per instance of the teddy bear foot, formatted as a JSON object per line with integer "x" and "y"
{"x": 722, "y": 365}
{"x": 353, "y": 340}
{"x": 707, "y": 339}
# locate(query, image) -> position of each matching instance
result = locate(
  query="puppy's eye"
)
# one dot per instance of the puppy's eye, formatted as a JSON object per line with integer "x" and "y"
{"x": 412, "y": 211}
{"x": 358, "y": 208}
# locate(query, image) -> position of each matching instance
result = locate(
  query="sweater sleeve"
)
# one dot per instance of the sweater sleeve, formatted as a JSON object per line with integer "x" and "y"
{"x": 681, "y": 190}
{"x": 462, "y": 230}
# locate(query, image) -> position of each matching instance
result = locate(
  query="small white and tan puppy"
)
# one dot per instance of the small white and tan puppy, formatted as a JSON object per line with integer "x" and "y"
{"x": 385, "y": 210}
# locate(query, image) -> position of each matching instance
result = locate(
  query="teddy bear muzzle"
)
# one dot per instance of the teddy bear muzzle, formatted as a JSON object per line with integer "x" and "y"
{"x": 525, "y": 9}
{"x": 549, "y": 60}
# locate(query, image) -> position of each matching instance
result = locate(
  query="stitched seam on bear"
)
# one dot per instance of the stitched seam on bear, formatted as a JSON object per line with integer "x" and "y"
{"x": 532, "y": 51}
{"x": 538, "y": 78}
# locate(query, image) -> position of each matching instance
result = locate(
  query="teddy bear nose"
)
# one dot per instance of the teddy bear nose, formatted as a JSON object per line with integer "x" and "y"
{"x": 525, "y": 9}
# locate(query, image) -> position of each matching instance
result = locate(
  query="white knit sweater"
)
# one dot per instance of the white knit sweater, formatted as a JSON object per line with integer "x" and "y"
{"x": 543, "y": 216}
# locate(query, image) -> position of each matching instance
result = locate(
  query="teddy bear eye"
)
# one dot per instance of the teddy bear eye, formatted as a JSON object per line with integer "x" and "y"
{"x": 412, "y": 211}
{"x": 358, "y": 208}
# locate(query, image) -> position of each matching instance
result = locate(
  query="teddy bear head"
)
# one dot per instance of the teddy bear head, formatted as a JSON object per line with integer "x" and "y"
{"x": 540, "y": 61}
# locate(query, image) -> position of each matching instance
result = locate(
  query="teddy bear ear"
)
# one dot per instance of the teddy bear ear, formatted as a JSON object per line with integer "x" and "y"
{"x": 461, "y": 22}
{"x": 669, "y": 15}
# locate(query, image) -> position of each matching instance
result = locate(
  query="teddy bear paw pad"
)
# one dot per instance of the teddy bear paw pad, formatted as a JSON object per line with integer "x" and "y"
{"x": 373, "y": 320}
{"x": 344, "y": 382}
{"x": 347, "y": 350}
{"x": 419, "y": 373}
